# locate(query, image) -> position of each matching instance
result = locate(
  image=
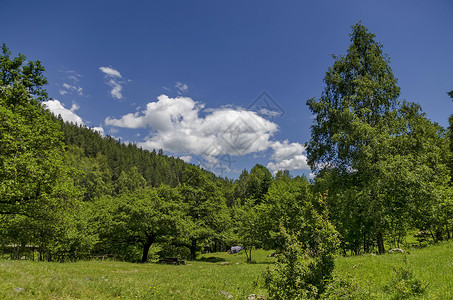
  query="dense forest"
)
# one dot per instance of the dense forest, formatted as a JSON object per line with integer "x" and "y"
{"x": 383, "y": 171}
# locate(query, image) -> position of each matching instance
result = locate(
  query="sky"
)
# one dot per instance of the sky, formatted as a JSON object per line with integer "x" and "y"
{"x": 221, "y": 84}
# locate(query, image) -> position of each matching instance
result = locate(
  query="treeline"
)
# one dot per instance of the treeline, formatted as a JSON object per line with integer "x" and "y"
{"x": 383, "y": 171}
{"x": 117, "y": 162}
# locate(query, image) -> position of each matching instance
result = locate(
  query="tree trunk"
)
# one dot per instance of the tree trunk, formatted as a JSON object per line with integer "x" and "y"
{"x": 146, "y": 245}
{"x": 366, "y": 248}
{"x": 380, "y": 241}
{"x": 193, "y": 249}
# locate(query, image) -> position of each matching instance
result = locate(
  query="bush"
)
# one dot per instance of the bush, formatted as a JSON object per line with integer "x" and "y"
{"x": 301, "y": 272}
{"x": 344, "y": 288}
{"x": 404, "y": 284}
{"x": 305, "y": 266}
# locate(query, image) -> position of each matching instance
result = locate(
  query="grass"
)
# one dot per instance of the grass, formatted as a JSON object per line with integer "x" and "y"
{"x": 109, "y": 279}
{"x": 207, "y": 277}
{"x": 433, "y": 265}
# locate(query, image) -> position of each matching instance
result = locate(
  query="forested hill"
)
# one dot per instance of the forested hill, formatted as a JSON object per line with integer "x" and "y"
{"x": 110, "y": 166}
{"x": 155, "y": 167}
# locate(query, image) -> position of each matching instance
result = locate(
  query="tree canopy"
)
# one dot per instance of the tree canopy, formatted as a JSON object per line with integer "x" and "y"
{"x": 364, "y": 138}
{"x": 29, "y": 75}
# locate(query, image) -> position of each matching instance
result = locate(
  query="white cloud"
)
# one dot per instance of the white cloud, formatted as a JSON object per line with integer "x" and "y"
{"x": 177, "y": 127}
{"x": 113, "y": 77}
{"x": 288, "y": 156}
{"x": 183, "y": 126}
{"x": 74, "y": 107}
{"x": 68, "y": 115}
{"x": 57, "y": 108}
{"x": 68, "y": 88}
{"x": 74, "y": 77}
{"x": 182, "y": 87}
{"x": 116, "y": 89}
{"x": 99, "y": 129}
{"x": 110, "y": 72}
{"x": 186, "y": 158}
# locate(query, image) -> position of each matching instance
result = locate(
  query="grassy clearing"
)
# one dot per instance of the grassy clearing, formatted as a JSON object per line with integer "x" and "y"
{"x": 433, "y": 265}
{"x": 204, "y": 279}
{"x": 109, "y": 279}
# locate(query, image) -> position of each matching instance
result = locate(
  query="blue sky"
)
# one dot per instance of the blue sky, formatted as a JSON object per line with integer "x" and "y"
{"x": 187, "y": 76}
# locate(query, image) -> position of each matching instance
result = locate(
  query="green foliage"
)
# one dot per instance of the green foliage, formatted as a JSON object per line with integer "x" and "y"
{"x": 253, "y": 185}
{"x": 38, "y": 200}
{"x": 34, "y": 174}
{"x": 206, "y": 212}
{"x": 382, "y": 160}
{"x": 93, "y": 176}
{"x": 305, "y": 266}
{"x": 360, "y": 92}
{"x": 114, "y": 158}
{"x": 130, "y": 181}
{"x": 249, "y": 227}
{"x": 292, "y": 276}
{"x": 287, "y": 203}
{"x": 404, "y": 284}
{"x": 344, "y": 287}
{"x": 138, "y": 219}
{"x": 13, "y": 71}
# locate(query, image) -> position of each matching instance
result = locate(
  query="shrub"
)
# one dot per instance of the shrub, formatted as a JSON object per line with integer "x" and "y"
{"x": 345, "y": 288}
{"x": 404, "y": 284}
{"x": 305, "y": 266}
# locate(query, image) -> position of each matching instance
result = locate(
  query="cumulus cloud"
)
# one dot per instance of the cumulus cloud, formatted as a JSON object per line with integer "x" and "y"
{"x": 113, "y": 79}
{"x": 186, "y": 158}
{"x": 202, "y": 136}
{"x": 57, "y": 108}
{"x": 99, "y": 129}
{"x": 288, "y": 156}
{"x": 176, "y": 125}
{"x": 68, "y": 115}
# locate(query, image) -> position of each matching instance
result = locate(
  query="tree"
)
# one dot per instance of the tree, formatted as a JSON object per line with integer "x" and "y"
{"x": 205, "y": 209}
{"x": 363, "y": 139}
{"x": 254, "y": 184}
{"x": 130, "y": 181}
{"x": 94, "y": 178}
{"x": 284, "y": 205}
{"x": 37, "y": 194}
{"x": 353, "y": 115}
{"x": 140, "y": 218}
{"x": 30, "y": 75}
{"x": 248, "y": 227}
{"x": 305, "y": 266}
{"x": 34, "y": 172}
{"x": 360, "y": 91}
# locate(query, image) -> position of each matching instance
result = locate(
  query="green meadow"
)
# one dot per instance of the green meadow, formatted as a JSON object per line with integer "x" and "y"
{"x": 211, "y": 274}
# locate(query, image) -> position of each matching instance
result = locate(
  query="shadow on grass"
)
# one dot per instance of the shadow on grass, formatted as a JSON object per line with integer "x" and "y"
{"x": 211, "y": 259}
{"x": 261, "y": 263}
